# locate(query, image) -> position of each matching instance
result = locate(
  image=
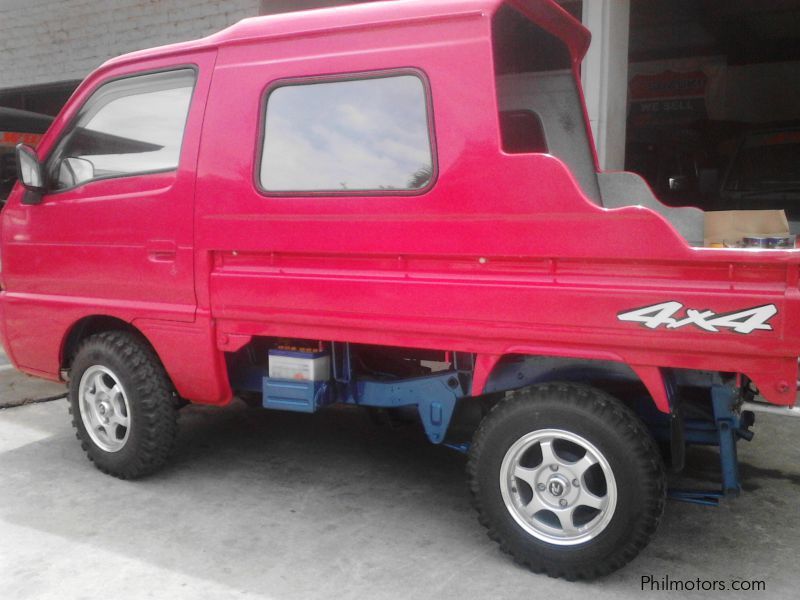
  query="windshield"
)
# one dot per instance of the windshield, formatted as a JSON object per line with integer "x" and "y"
{"x": 767, "y": 161}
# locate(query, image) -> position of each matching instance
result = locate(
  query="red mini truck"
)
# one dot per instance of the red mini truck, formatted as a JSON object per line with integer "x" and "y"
{"x": 395, "y": 205}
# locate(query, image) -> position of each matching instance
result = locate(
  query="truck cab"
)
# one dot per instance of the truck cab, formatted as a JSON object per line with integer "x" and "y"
{"x": 397, "y": 206}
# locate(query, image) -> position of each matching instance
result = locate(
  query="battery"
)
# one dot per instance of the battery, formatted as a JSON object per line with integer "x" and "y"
{"x": 299, "y": 366}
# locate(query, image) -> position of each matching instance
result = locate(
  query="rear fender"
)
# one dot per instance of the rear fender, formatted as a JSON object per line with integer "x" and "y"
{"x": 500, "y": 373}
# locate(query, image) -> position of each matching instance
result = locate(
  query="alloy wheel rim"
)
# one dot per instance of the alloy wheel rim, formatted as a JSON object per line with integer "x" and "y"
{"x": 104, "y": 408}
{"x": 558, "y": 487}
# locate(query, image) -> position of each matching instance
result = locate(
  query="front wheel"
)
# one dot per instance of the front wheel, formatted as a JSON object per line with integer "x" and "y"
{"x": 567, "y": 480}
{"x": 123, "y": 407}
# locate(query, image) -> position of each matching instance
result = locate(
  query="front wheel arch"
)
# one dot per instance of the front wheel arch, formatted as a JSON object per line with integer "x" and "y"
{"x": 88, "y": 326}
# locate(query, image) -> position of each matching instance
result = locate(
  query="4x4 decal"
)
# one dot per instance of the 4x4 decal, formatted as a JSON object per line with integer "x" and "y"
{"x": 664, "y": 314}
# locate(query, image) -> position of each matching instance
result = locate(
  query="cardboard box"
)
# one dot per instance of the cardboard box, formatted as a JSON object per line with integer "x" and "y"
{"x": 733, "y": 225}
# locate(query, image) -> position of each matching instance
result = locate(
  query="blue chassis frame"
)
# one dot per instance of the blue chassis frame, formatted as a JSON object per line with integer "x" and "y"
{"x": 725, "y": 431}
{"x": 435, "y": 397}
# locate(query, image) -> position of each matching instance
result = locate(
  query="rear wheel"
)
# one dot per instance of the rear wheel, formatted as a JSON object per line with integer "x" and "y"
{"x": 123, "y": 407}
{"x": 567, "y": 480}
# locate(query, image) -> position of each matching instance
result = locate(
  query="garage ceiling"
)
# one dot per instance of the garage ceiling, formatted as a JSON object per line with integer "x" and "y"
{"x": 745, "y": 31}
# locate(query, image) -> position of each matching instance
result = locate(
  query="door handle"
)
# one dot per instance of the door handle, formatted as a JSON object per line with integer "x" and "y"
{"x": 162, "y": 251}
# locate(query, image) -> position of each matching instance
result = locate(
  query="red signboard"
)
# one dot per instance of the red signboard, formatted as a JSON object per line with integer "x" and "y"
{"x": 12, "y": 138}
{"x": 667, "y": 98}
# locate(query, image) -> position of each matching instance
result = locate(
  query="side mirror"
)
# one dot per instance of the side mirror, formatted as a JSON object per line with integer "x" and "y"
{"x": 678, "y": 183}
{"x": 29, "y": 172}
{"x": 75, "y": 171}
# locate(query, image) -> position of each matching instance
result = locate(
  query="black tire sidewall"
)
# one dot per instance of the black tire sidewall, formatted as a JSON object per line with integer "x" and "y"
{"x": 96, "y": 353}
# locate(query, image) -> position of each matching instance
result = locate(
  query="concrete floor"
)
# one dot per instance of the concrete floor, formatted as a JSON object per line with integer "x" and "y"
{"x": 17, "y": 388}
{"x": 259, "y": 504}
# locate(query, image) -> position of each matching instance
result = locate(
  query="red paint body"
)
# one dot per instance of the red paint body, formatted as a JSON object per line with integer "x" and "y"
{"x": 503, "y": 255}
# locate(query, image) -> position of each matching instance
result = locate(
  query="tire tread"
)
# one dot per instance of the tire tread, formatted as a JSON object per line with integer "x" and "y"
{"x": 152, "y": 387}
{"x": 605, "y": 408}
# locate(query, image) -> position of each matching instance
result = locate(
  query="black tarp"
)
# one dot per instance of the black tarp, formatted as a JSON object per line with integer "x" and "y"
{"x": 23, "y": 121}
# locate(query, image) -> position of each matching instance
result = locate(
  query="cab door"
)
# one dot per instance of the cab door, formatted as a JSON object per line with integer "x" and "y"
{"x": 113, "y": 234}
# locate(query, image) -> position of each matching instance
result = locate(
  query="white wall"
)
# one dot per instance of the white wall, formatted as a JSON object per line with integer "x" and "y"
{"x": 605, "y": 77}
{"x": 269, "y": 7}
{"x": 45, "y": 41}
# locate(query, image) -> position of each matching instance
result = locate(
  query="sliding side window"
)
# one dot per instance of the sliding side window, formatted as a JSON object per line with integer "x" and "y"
{"x": 362, "y": 134}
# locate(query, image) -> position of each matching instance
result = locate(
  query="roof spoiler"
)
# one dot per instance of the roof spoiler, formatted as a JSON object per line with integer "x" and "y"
{"x": 555, "y": 20}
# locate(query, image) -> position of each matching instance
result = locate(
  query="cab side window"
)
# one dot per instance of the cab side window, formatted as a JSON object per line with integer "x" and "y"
{"x": 366, "y": 133}
{"x": 127, "y": 127}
